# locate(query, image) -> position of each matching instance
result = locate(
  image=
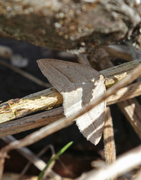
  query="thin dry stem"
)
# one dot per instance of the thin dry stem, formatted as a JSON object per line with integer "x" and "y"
{"x": 132, "y": 111}
{"x": 121, "y": 166}
{"x": 108, "y": 132}
{"x": 130, "y": 108}
{"x": 123, "y": 94}
{"x": 49, "y": 98}
{"x": 38, "y": 155}
{"x": 47, "y": 117}
{"x": 109, "y": 143}
{"x": 40, "y": 164}
{"x": 47, "y": 130}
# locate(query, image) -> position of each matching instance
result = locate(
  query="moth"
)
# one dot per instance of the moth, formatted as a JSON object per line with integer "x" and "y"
{"x": 78, "y": 85}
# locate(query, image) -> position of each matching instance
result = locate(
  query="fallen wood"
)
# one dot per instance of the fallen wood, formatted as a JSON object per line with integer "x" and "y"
{"x": 31, "y": 122}
{"x": 47, "y": 117}
{"x": 49, "y": 98}
{"x": 63, "y": 122}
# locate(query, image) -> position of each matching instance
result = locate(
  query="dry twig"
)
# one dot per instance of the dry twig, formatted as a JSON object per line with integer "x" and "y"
{"x": 108, "y": 132}
{"x": 31, "y": 122}
{"x": 132, "y": 111}
{"x": 49, "y": 98}
{"x": 47, "y": 130}
{"x": 47, "y": 117}
{"x": 121, "y": 166}
{"x": 38, "y": 155}
{"x": 109, "y": 143}
{"x": 40, "y": 164}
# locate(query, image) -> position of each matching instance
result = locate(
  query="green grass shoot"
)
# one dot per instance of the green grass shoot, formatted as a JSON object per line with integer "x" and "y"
{"x": 54, "y": 158}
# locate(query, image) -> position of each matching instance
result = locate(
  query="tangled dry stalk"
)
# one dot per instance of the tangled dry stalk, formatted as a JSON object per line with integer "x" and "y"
{"x": 61, "y": 123}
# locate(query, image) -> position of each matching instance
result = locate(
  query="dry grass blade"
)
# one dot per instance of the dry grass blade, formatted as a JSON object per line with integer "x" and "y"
{"x": 121, "y": 166}
{"x": 38, "y": 155}
{"x": 47, "y": 130}
{"x": 40, "y": 164}
{"x": 132, "y": 111}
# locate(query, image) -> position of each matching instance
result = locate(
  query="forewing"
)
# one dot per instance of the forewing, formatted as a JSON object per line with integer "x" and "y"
{"x": 79, "y": 85}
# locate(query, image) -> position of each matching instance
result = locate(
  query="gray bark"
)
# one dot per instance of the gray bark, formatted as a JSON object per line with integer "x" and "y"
{"x": 78, "y": 25}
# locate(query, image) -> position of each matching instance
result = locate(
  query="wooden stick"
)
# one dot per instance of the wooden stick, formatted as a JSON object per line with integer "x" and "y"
{"x": 27, "y": 153}
{"x": 47, "y": 117}
{"x": 108, "y": 132}
{"x": 123, "y": 94}
{"x": 132, "y": 111}
{"x": 123, "y": 164}
{"x": 16, "y": 108}
{"x": 38, "y": 155}
{"x": 31, "y": 122}
{"x": 109, "y": 143}
{"x": 61, "y": 123}
{"x": 49, "y": 98}
{"x": 47, "y": 130}
{"x": 130, "y": 108}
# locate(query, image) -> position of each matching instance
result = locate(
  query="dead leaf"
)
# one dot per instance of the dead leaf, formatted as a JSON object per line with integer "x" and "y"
{"x": 79, "y": 85}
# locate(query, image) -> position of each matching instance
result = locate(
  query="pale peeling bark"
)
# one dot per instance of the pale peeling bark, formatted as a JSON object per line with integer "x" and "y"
{"x": 75, "y": 25}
